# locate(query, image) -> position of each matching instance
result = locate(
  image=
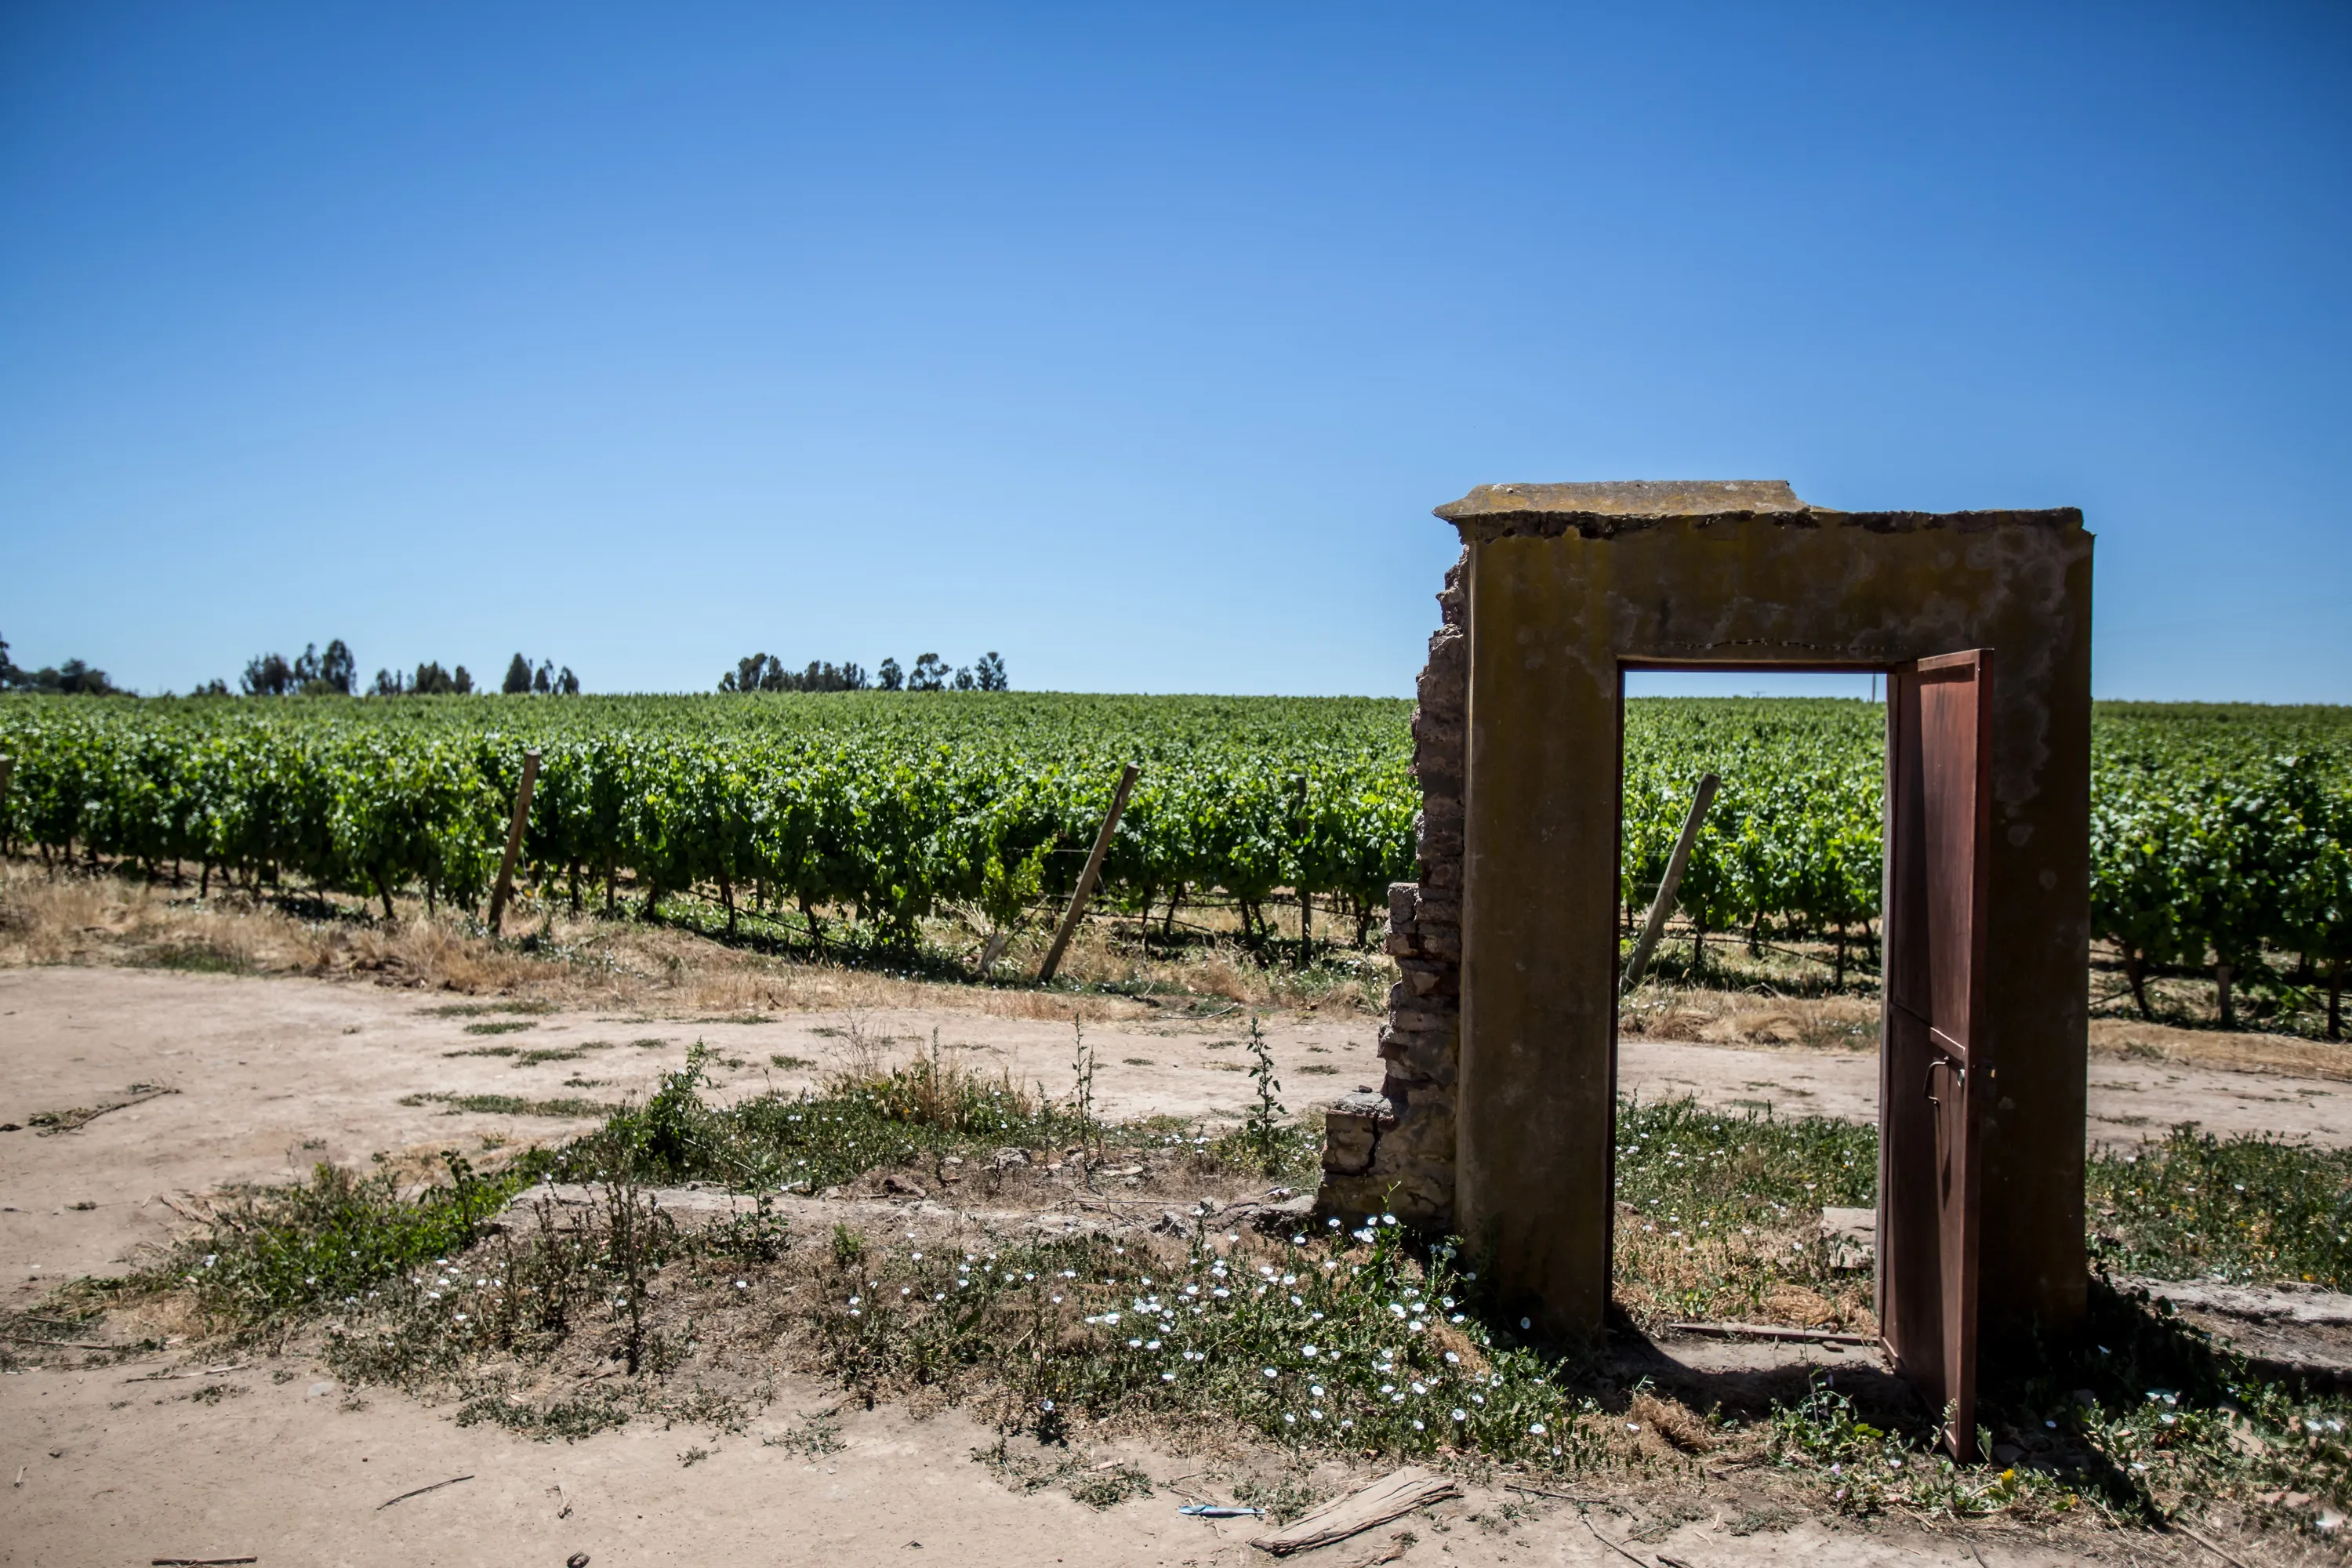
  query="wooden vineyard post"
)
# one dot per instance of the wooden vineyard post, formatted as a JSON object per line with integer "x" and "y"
{"x": 1664, "y": 904}
{"x": 1306, "y": 899}
{"x": 514, "y": 839}
{"x": 7, "y": 765}
{"x": 1086, "y": 877}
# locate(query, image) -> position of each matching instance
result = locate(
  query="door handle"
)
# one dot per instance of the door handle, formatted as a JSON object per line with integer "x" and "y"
{"x": 1927, "y": 1083}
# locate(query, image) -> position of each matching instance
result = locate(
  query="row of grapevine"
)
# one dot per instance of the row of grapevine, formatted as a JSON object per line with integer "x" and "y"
{"x": 2214, "y": 842}
{"x": 2217, "y": 833}
{"x": 831, "y": 800}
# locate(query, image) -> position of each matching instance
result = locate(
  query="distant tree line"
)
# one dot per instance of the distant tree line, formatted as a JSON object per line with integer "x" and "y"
{"x": 314, "y": 674}
{"x": 544, "y": 678}
{"x": 763, "y": 672}
{"x": 336, "y": 673}
{"x": 72, "y": 678}
{"x": 333, "y": 673}
{"x": 430, "y": 680}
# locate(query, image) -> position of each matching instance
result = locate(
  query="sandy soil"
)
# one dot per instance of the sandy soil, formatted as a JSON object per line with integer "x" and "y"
{"x": 122, "y": 1472}
{"x": 270, "y": 1075}
{"x": 2129, "y": 1100}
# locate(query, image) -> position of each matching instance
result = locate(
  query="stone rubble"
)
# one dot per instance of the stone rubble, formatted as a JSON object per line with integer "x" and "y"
{"x": 1392, "y": 1151}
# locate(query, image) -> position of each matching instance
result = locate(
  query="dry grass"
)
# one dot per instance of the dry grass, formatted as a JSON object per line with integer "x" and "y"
{"x": 1736, "y": 1278}
{"x": 2234, "y": 1050}
{"x": 1667, "y": 1011}
{"x": 586, "y": 960}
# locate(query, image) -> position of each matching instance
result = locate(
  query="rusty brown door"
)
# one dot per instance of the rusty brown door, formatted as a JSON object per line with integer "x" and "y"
{"x": 1935, "y": 1067}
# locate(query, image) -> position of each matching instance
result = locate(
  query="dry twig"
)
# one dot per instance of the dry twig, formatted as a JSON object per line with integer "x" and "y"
{"x": 420, "y": 1491}
{"x": 1609, "y": 1544}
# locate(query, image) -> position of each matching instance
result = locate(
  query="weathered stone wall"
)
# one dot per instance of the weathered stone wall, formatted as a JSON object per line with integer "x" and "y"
{"x": 1392, "y": 1151}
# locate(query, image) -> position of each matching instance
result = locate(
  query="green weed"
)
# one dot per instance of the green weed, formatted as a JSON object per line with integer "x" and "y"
{"x": 279, "y": 1253}
{"x": 478, "y": 1009}
{"x": 507, "y": 1105}
{"x": 2248, "y": 1208}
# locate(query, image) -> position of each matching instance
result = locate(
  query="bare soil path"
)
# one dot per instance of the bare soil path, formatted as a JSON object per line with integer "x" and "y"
{"x": 2129, "y": 1099}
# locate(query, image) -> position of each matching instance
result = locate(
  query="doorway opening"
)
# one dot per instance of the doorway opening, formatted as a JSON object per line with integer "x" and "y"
{"x": 1788, "y": 825}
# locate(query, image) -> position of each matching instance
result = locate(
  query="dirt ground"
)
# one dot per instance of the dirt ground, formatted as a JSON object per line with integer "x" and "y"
{"x": 288, "y": 1472}
{"x": 267, "y": 1076}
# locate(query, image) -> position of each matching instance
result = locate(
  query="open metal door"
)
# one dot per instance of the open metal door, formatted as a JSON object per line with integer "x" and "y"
{"x": 1933, "y": 1067}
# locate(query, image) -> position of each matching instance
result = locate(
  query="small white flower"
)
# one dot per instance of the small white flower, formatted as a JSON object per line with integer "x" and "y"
{"x": 1460, "y": 1414}
{"x": 1536, "y": 1430}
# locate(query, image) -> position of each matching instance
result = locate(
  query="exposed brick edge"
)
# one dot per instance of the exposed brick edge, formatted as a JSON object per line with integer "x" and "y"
{"x": 1392, "y": 1151}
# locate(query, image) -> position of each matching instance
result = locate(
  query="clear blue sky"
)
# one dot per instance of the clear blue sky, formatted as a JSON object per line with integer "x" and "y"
{"x": 1135, "y": 342}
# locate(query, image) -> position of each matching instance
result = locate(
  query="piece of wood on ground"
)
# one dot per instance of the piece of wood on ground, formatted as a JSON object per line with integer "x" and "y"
{"x": 1770, "y": 1332}
{"x": 49, "y": 1123}
{"x": 1391, "y": 1497}
{"x": 64, "y": 1344}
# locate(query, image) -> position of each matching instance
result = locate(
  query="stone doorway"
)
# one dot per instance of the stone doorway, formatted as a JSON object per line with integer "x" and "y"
{"x": 1495, "y": 1118}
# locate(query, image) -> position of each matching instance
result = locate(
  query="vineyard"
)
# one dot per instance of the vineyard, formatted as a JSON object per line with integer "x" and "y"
{"x": 2221, "y": 837}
